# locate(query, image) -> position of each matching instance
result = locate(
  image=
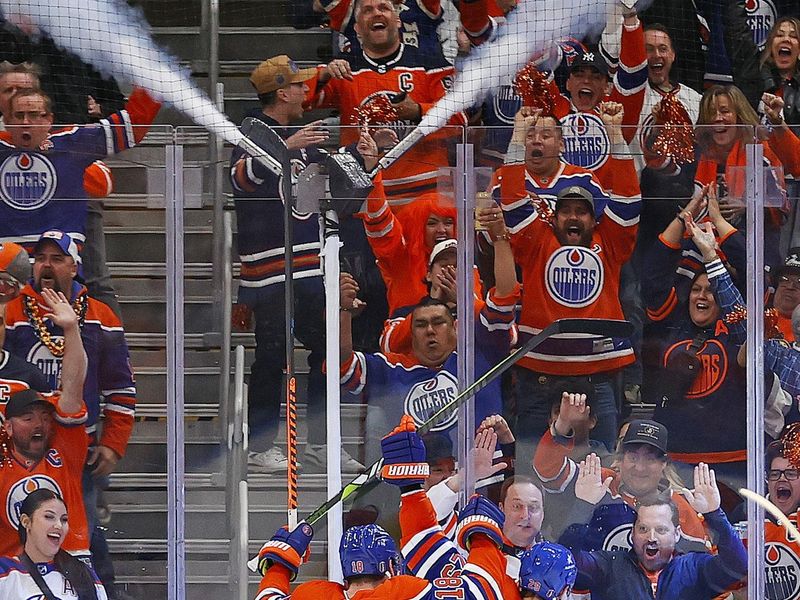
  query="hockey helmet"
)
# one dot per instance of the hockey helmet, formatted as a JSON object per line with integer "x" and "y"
{"x": 546, "y": 570}
{"x": 368, "y": 550}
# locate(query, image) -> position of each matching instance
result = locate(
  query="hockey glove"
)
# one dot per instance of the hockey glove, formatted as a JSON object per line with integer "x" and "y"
{"x": 480, "y": 515}
{"x": 289, "y": 548}
{"x": 404, "y": 456}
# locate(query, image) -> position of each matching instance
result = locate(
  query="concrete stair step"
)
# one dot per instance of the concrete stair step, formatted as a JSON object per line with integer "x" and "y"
{"x": 247, "y": 43}
{"x": 146, "y": 244}
{"x": 151, "y": 315}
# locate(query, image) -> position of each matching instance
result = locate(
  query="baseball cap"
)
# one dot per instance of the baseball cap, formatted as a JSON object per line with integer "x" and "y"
{"x": 277, "y": 72}
{"x": 20, "y": 402}
{"x": 15, "y": 261}
{"x": 643, "y": 431}
{"x": 438, "y": 446}
{"x": 441, "y": 247}
{"x": 63, "y": 240}
{"x": 790, "y": 263}
{"x": 576, "y": 191}
{"x": 590, "y": 59}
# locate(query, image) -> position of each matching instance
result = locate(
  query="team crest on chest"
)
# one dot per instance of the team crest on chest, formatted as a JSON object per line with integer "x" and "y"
{"x": 619, "y": 538}
{"x": 781, "y": 572}
{"x": 761, "y": 16}
{"x": 27, "y": 181}
{"x": 20, "y": 490}
{"x": 574, "y": 276}
{"x": 712, "y": 369}
{"x": 425, "y": 398}
{"x": 48, "y": 364}
{"x": 586, "y": 141}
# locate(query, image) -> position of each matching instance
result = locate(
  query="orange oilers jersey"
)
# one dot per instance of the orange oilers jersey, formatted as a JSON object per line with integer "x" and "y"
{"x": 781, "y": 561}
{"x": 425, "y": 79}
{"x": 60, "y": 470}
{"x": 569, "y": 281}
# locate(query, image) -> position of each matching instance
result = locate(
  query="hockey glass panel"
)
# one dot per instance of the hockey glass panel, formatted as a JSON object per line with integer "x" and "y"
{"x": 98, "y": 212}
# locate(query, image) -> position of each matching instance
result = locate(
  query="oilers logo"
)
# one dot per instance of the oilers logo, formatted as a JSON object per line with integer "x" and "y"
{"x": 506, "y": 103}
{"x": 20, "y": 490}
{"x": 27, "y": 181}
{"x": 586, "y": 141}
{"x": 574, "y": 276}
{"x": 427, "y": 397}
{"x": 781, "y": 572}
{"x": 761, "y": 16}
{"x": 619, "y": 538}
{"x": 48, "y": 364}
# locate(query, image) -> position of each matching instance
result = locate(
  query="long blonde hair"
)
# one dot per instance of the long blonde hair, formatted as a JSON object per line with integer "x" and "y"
{"x": 745, "y": 115}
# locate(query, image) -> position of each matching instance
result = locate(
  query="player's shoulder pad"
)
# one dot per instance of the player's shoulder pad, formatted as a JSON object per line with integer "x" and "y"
{"x": 318, "y": 590}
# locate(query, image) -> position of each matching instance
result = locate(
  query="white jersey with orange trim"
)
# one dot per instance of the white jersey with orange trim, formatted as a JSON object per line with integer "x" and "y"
{"x": 647, "y": 129}
{"x": 16, "y": 581}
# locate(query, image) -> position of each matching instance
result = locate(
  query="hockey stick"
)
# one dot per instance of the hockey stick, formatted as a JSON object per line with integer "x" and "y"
{"x": 606, "y": 328}
{"x": 603, "y": 327}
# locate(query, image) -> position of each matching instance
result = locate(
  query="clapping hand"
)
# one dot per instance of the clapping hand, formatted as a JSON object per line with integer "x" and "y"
{"x": 573, "y": 411}
{"x": 310, "y": 135}
{"x": 590, "y": 486}
{"x": 500, "y": 426}
{"x": 704, "y": 498}
{"x": 704, "y": 238}
{"x": 61, "y": 312}
{"x": 483, "y": 454}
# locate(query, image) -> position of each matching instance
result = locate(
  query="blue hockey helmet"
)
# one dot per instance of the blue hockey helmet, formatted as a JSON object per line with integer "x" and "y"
{"x": 368, "y": 550}
{"x": 547, "y": 569}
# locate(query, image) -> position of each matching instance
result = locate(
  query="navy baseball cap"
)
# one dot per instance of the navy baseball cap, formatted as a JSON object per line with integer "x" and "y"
{"x": 63, "y": 240}
{"x": 590, "y": 59}
{"x": 644, "y": 431}
{"x": 21, "y": 403}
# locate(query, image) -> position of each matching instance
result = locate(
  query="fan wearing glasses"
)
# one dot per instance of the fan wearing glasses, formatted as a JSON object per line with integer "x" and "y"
{"x": 782, "y": 550}
{"x": 786, "y": 282}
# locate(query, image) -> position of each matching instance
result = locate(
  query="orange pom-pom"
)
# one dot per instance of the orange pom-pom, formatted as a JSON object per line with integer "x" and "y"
{"x": 791, "y": 445}
{"x": 675, "y": 137}
{"x": 543, "y": 208}
{"x": 531, "y": 85}
{"x": 376, "y": 111}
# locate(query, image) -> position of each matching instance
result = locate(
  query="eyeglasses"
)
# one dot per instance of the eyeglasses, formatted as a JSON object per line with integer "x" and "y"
{"x": 792, "y": 281}
{"x": 789, "y": 474}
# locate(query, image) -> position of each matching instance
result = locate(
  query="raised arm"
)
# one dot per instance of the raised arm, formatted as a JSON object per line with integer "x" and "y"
{"x": 729, "y": 565}
{"x": 73, "y": 366}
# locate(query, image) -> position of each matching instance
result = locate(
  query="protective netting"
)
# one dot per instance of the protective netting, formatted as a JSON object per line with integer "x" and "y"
{"x": 494, "y": 103}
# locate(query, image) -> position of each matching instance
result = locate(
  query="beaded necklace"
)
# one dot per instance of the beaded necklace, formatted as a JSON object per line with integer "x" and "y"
{"x": 32, "y": 312}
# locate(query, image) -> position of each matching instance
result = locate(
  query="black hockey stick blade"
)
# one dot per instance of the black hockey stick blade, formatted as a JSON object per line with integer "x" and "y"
{"x": 600, "y": 327}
